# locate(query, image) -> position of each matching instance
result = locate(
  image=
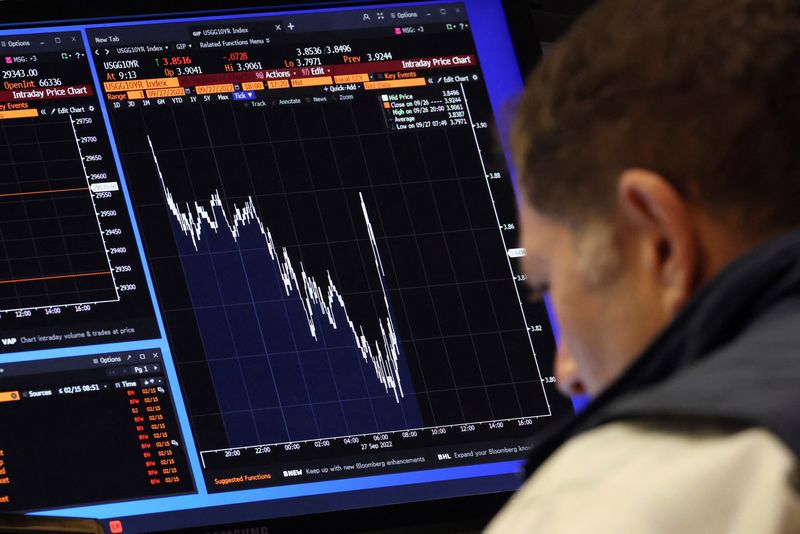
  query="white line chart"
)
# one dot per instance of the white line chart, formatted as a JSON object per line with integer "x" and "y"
{"x": 195, "y": 218}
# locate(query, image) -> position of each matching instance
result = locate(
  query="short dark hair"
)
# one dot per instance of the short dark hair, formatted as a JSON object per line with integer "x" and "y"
{"x": 704, "y": 92}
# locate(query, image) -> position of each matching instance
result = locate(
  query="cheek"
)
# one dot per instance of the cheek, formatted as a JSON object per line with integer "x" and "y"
{"x": 573, "y": 315}
{"x": 584, "y": 326}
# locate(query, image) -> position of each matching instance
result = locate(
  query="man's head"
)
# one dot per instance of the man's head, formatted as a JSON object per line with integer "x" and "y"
{"x": 658, "y": 141}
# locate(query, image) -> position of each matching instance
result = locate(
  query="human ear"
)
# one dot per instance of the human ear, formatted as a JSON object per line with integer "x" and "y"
{"x": 658, "y": 218}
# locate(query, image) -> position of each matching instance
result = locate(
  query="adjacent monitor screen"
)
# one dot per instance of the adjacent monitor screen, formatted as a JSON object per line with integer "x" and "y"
{"x": 261, "y": 264}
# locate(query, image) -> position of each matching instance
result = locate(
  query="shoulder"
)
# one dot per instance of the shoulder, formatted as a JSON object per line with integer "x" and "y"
{"x": 646, "y": 477}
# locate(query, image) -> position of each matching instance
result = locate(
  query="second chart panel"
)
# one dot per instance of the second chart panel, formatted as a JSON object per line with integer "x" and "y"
{"x": 70, "y": 271}
{"x": 323, "y": 274}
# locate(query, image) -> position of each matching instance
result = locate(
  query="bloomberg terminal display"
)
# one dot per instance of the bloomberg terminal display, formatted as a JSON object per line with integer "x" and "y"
{"x": 302, "y": 221}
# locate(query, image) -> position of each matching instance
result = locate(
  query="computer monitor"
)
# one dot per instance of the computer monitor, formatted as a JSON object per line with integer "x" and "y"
{"x": 261, "y": 263}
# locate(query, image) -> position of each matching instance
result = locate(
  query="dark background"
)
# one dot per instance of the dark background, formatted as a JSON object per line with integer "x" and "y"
{"x": 553, "y": 17}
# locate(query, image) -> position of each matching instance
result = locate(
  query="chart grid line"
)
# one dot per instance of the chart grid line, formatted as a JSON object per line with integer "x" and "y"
{"x": 54, "y": 277}
{"x": 503, "y": 237}
{"x": 44, "y": 192}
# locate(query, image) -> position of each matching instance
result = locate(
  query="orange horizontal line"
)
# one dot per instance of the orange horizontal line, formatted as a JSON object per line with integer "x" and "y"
{"x": 44, "y": 192}
{"x": 54, "y": 277}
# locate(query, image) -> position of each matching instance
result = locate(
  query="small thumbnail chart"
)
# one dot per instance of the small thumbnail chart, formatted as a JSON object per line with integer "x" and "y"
{"x": 53, "y": 251}
{"x": 70, "y": 267}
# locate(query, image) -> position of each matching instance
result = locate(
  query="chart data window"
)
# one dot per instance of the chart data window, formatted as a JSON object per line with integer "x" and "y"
{"x": 70, "y": 273}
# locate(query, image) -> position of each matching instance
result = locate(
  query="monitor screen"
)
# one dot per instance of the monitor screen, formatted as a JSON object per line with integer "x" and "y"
{"x": 261, "y": 264}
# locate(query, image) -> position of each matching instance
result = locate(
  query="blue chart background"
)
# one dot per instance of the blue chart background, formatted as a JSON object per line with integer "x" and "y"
{"x": 273, "y": 380}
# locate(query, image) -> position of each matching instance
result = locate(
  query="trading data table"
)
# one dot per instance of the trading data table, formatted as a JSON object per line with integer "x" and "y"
{"x": 117, "y": 434}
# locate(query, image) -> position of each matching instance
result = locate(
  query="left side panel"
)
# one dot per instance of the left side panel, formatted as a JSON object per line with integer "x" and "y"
{"x": 85, "y": 393}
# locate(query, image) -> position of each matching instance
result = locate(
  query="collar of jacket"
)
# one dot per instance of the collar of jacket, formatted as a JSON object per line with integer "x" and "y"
{"x": 731, "y": 357}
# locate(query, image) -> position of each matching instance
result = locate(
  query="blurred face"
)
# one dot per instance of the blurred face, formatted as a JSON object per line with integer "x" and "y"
{"x": 602, "y": 295}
